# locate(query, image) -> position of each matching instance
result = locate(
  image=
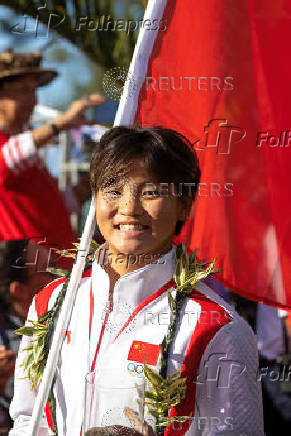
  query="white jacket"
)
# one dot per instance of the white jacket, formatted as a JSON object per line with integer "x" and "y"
{"x": 215, "y": 348}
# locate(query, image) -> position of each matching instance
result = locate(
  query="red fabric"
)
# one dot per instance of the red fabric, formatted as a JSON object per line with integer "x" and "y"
{"x": 143, "y": 352}
{"x": 42, "y": 298}
{"x": 49, "y": 416}
{"x": 244, "y": 225}
{"x": 202, "y": 335}
{"x": 31, "y": 206}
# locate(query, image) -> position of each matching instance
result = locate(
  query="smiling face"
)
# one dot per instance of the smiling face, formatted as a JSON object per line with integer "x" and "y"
{"x": 135, "y": 174}
{"x": 134, "y": 217}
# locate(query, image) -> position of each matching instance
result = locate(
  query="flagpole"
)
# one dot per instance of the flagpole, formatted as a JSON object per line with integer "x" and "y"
{"x": 63, "y": 321}
{"x": 139, "y": 64}
{"x": 125, "y": 115}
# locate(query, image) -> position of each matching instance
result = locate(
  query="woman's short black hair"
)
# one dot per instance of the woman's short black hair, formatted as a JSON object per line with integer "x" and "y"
{"x": 167, "y": 154}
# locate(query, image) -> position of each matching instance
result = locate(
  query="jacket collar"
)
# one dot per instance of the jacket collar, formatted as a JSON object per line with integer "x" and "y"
{"x": 136, "y": 286}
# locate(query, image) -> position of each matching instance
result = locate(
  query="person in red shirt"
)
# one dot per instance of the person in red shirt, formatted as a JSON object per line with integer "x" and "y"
{"x": 31, "y": 205}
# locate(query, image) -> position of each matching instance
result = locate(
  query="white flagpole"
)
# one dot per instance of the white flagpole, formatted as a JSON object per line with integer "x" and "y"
{"x": 63, "y": 322}
{"x": 125, "y": 115}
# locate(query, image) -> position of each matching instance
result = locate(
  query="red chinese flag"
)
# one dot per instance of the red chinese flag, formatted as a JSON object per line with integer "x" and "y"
{"x": 143, "y": 352}
{"x": 219, "y": 75}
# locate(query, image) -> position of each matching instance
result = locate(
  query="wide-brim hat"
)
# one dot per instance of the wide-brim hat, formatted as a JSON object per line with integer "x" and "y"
{"x": 20, "y": 64}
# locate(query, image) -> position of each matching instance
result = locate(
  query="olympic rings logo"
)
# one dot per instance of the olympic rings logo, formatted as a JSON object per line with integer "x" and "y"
{"x": 135, "y": 369}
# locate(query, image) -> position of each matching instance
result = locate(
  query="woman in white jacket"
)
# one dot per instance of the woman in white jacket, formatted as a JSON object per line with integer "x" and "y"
{"x": 145, "y": 181}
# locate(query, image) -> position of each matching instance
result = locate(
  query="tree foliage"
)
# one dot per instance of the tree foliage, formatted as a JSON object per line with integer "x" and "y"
{"x": 107, "y": 48}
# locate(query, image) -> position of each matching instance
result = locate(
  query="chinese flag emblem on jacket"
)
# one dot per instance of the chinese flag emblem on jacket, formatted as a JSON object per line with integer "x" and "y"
{"x": 143, "y": 352}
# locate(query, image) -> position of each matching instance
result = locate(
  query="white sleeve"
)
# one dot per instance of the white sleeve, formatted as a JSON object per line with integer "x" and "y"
{"x": 19, "y": 151}
{"x": 23, "y": 400}
{"x": 228, "y": 391}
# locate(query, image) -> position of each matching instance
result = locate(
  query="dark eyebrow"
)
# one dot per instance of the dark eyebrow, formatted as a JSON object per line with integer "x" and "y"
{"x": 110, "y": 182}
{"x": 120, "y": 181}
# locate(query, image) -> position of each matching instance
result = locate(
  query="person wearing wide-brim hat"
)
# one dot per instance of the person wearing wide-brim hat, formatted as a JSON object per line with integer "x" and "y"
{"x": 30, "y": 203}
{"x": 15, "y": 65}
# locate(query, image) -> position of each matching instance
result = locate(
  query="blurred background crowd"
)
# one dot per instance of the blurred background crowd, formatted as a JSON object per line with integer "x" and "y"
{"x": 51, "y": 117}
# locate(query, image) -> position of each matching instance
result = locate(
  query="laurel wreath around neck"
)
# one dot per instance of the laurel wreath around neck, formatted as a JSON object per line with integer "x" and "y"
{"x": 165, "y": 392}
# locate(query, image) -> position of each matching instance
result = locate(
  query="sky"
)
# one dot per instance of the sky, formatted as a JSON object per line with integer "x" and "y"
{"x": 75, "y": 68}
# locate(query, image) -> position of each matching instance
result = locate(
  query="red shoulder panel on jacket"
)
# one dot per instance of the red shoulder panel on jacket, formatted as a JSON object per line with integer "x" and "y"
{"x": 212, "y": 317}
{"x": 43, "y": 297}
